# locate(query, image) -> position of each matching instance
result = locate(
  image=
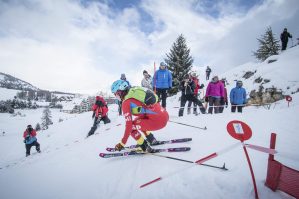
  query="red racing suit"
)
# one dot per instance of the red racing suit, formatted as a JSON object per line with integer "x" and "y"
{"x": 148, "y": 118}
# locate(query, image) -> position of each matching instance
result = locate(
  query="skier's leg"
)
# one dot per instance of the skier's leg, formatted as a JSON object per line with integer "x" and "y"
{"x": 37, "y": 146}
{"x": 27, "y": 146}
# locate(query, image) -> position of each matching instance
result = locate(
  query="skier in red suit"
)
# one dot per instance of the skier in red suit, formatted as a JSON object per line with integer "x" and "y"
{"x": 148, "y": 117}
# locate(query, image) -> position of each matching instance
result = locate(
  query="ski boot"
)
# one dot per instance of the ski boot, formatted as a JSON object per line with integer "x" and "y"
{"x": 145, "y": 147}
{"x": 151, "y": 139}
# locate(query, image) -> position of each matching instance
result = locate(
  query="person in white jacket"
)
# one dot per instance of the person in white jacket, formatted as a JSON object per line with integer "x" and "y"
{"x": 147, "y": 80}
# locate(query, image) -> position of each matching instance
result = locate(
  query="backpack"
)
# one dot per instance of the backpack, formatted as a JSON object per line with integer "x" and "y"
{"x": 144, "y": 95}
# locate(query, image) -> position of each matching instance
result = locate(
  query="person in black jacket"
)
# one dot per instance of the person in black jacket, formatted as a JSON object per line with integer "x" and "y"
{"x": 187, "y": 87}
{"x": 284, "y": 37}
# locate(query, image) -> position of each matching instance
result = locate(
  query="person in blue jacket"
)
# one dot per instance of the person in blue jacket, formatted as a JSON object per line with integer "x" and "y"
{"x": 162, "y": 82}
{"x": 238, "y": 97}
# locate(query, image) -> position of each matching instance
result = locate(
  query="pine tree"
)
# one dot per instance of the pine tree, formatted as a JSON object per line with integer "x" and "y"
{"x": 179, "y": 62}
{"x": 269, "y": 45}
{"x": 46, "y": 119}
{"x": 37, "y": 127}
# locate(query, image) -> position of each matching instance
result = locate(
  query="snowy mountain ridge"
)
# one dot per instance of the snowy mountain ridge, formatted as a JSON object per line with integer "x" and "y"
{"x": 10, "y": 82}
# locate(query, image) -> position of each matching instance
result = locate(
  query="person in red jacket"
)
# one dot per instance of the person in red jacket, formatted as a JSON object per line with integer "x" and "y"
{"x": 30, "y": 140}
{"x": 148, "y": 117}
{"x": 196, "y": 90}
{"x": 100, "y": 113}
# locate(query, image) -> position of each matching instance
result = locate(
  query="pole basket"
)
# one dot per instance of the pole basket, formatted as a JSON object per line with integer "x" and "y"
{"x": 281, "y": 177}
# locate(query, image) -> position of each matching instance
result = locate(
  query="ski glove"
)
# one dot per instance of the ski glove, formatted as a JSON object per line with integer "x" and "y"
{"x": 119, "y": 147}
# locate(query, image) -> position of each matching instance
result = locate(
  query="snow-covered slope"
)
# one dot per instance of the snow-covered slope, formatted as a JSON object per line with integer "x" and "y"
{"x": 70, "y": 167}
{"x": 282, "y": 73}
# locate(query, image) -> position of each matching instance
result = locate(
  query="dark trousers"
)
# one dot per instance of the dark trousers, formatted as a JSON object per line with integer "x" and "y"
{"x": 162, "y": 94}
{"x": 207, "y": 76}
{"x": 28, "y": 147}
{"x": 105, "y": 119}
{"x": 284, "y": 45}
{"x": 234, "y": 107}
{"x": 214, "y": 103}
{"x": 222, "y": 104}
{"x": 193, "y": 99}
{"x": 120, "y": 107}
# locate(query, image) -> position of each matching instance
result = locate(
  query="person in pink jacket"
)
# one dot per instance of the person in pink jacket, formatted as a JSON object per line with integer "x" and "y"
{"x": 214, "y": 94}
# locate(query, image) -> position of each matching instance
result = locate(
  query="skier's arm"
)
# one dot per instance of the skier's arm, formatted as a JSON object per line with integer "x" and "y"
{"x": 129, "y": 123}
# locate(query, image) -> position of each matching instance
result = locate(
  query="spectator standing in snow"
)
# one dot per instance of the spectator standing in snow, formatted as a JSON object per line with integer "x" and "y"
{"x": 238, "y": 97}
{"x": 187, "y": 87}
{"x": 30, "y": 140}
{"x": 149, "y": 115}
{"x": 214, "y": 93}
{"x": 223, "y": 100}
{"x": 208, "y": 72}
{"x": 122, "y": 77}
{"x": 162, "y": 82}
{"x": 284, "y": 37}
{"x": 147, "y": 80}
{"x": 196, "y": 90}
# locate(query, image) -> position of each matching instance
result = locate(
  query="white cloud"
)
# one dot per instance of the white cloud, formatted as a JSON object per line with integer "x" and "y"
{"x": 60, "y": 45}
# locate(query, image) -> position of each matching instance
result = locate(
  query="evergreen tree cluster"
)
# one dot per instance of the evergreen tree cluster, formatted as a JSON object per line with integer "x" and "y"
{"x": 268, "y": 46}
{"x": 179, "y": 62}
{"x": 46, "y": 119}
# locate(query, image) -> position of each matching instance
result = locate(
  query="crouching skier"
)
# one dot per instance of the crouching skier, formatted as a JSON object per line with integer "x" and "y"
{"x": 100, "y": 113}
{"x": 150, "y": 116}
{"x": 30, "y": 140}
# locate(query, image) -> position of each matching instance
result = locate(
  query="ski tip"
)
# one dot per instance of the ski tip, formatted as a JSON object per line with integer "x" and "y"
{"x": 108, "y": 149}
{"x": 102, "y": 155}
{"x": 205, "y": 128}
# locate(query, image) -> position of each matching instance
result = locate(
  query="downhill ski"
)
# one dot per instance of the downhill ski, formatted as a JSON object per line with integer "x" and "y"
{"x": 140, "y": 152}
{"x": 112, "y": 149}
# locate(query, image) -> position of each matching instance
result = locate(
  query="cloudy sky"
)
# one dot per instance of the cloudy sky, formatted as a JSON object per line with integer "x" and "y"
{"x": 84, "y": 45}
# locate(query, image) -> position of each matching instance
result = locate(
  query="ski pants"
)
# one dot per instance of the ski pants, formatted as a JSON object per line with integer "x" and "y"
{"x": 105, "y": 119}
{"x": 193, "y": 99}
{"x": 162, "y": 94}
{"x": 284, "y": 45}
{"x": 149, "y": 122}
{"x": 235, "y": 106}
{"x": 28, "y": 147}
{"x": 214, "y": 102}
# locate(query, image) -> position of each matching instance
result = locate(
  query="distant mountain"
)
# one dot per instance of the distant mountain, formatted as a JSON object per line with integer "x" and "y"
{"x": 10, "y": 82}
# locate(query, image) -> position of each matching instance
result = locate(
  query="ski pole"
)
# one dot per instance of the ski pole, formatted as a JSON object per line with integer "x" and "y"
{"x": 178, "y": 159}
{"x": 202, "y": 128}
{"x": 200, "y": 161}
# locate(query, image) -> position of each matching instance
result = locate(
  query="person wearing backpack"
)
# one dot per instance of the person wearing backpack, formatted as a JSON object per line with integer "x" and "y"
{"x": 30, "y": 140}
{"x": 100, "y": 113}
{"x": 162, "y": 82}
{"x": 149, "y": 115}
